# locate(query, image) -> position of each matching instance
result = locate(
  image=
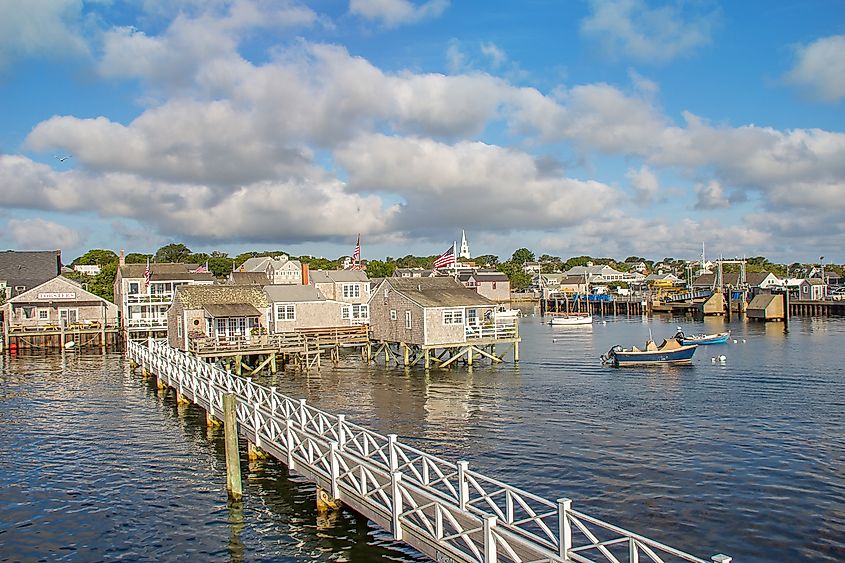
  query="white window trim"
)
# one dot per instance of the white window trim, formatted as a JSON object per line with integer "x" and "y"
{"x": 351, "y": 290}
{"x": 453, "y": 316}
{"x": 393, "y": 315}
{"x": 285, "y": 311}
{"x": 408, "y": 320}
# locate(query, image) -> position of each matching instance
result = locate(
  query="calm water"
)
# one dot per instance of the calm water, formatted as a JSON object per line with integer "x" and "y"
{"x": 745, "y": 457}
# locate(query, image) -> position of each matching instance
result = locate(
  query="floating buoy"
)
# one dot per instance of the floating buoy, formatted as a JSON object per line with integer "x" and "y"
{"x": 712, "y": 360}
{"x": 554, "y": 339}
{"x": 722, "y": 358}
{"x": 743, "y": 341}
{"x": 70, "y": 344}
{"x": 734, "y": 341}
{"x": 604, "y": 322}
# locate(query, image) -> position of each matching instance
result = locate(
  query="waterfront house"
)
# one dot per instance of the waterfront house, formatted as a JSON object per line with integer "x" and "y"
{"x": 347, "y": 286}
{"x": 143, "y": 306}
{"x": 492, "y": 284}
{"x": 295, "y": 307}
{"x": 603, "y": 274}
{"x": 757, "y": 282}
{"x": 812, "y": 289}
{"x": 217, "y": 314}
{"x": 21, "y": 271}
{"x": 280, "y": 270}
{"x": 56, "y": 304}
{"x": 426, "y": 311}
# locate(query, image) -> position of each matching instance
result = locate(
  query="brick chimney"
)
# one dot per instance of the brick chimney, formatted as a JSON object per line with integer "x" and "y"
{"x": 305, "y": 274}
{"x": 122, "y": 259}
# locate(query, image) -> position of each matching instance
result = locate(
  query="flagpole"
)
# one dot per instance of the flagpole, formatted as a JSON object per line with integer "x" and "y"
{"x": 455, "y": 254}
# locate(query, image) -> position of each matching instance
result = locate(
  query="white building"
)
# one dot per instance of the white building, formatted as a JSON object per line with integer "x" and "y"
{"x": 87, "y": 269}
{"x": 279, "y": 269}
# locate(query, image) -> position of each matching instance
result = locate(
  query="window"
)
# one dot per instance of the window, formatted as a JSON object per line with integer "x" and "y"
{"x": 179, "y": 328}
{"x": 221, "y": 327}
{"x": 494, "y": 285}
{"x": 393, "y": 314}
{"x": 408, "y": 320}
{"x": 361, "y": 312}
{"x": 344, "y": 312}
{"x": 43, "y": 314}
{"x": 285, "y": 312}
{"x": 453, "y": 317}
{"x": 472, "y": 316}
{"x": 133, "y": 288}
{"x": 351, "y": 290}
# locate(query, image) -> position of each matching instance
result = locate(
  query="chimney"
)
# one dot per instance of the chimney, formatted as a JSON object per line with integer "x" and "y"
{"x": 58, "y": 262}
{"x": 122, "y": 258}
{"x": 305, "y": 274}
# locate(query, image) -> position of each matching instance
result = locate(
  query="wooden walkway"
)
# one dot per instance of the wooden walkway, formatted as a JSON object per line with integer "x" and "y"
{"x": 443, "y": 509}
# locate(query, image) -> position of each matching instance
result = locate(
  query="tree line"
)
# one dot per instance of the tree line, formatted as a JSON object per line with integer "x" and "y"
{"x": 221, "y": 264}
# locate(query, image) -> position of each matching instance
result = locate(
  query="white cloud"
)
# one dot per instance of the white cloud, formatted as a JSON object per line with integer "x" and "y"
{"x": 820, "y": 68}
{"x": 469, "y": 183}
{"x": 710, "y": 195}
{"x": 645, "y": 184}
{"x": 392, "y": 13}
{"x": 495, "y": 54}
{"x": 41, "y": 28}
{"x": 38, "y": 234}
{"x": 632, "y": 29}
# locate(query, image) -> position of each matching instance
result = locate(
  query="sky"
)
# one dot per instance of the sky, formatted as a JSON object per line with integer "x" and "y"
{"x": 609, "y": 128}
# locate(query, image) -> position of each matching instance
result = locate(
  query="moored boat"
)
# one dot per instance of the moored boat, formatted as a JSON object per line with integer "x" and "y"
{"x": 568, "y": 319}
{"x": 503, "y": 313}
{"x": 669, "y": 352}
{"x": 718, "y": 338}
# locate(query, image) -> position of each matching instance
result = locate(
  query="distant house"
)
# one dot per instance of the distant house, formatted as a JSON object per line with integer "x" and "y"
{"x": 56, "y": 303}
{"x": 413, "y": 273}
{"x": 87, "y": 269}
{"x": 602, "y": 274}
{"x": 143, "y": 306}
{"x": 199, "y": 313}
{"x": 812, "y": 289}
{"x": 426, "y": 311}
{"x": 279, "y": 269}
{"x": 532, "y": 268}
{"x": 347, "y": 286}
{"x": 296, "y": 307}
{"x": 493, "y": 285}
{"x": 757, "y": 281}
{"x": 21, "y": 271}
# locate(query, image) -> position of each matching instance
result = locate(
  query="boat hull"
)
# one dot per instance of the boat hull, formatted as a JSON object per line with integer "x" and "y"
{"x": 678, "y": 356}
{"x": 709, "y": 339}
{"x": 571, "y": 321}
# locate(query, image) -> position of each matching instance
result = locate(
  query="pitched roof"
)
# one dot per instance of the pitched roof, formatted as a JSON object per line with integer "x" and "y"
{"x": 248, "y": 278}
{"x": 438, "y": 292}
{"x": 754, "y": 279}
{"x": 29, "y": 268}
{"x": 293, "y": 293}
{"x": 198, "y": 296}
{"x": 232, "y": 310}
{"x": 333, "y": 276}
{"x": 164, "y": 272}
{"x": 491, "y": 276}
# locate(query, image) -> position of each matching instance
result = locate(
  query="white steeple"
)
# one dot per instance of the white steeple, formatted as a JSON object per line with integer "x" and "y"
{"x": 464, "y": 246}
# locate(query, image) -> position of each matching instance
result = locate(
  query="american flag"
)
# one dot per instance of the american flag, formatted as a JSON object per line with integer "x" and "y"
{"x": 147, "y": 273}
{"x": 202, "y": 269}
{"x": 446, "y": 259}
{"x": 356, "y": 255}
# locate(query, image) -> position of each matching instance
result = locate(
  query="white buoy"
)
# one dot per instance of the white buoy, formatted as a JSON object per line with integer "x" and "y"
{"x": 712, "y": 360}
{"x": 722, "y": 358}
{"x": 70, "y": 344}
{"x": 604, "y": 322}
{"x": 734, "y": 341}
{"x": 743, "y": 341}
{"x": 554, "y": 339}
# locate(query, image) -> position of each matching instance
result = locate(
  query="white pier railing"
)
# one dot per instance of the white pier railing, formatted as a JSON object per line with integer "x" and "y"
{"x": 444, "y": 509}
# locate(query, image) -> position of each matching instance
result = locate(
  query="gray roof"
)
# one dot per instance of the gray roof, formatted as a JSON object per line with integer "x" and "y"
{"x": 333, "y": 276}
{"x": 438, "y": 292}
{"x": 248, "y": 278}
{"x": 232, "y": 310}
{"x": 164, "y": 271}
{"x": 29, "y": 268}
{"x": 754, "y": 279}
{"x": 260, "y": 263}
{"x": 491, "y": 276}
{"x": 293, "y": 293}
{"x": 198, "y": 296}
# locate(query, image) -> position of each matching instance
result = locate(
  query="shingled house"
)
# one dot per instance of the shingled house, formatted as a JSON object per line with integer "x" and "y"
{"x": 216, "y": 313}
{"x": 296, "y": 307}
{"x": 426, "y": 311}
{"x": 348, "y": 286}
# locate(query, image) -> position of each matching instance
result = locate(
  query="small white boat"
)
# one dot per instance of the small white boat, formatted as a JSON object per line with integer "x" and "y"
{"x": 502, "y": 313}
{"x": 571, "y": 319}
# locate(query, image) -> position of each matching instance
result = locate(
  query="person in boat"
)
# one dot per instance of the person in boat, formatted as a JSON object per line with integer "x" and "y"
{"x": 679, "y": 336}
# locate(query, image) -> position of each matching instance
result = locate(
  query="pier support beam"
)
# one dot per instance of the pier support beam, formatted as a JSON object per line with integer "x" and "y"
{"x": 233, "y": 462}
{"x": 325, "y": 501}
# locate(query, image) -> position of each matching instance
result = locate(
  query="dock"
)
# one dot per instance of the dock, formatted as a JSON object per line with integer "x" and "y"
{"x": 444, "y": 509}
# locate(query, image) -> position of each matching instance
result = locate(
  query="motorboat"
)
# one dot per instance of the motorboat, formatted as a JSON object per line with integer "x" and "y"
{"x": 669, "y": 352}
{"x": 569, "y": 319}
{"x": 703, "y": 339}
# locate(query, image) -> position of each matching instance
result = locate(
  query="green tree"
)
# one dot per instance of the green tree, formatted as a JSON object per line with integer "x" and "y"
{"x": 97, "y": 256}
{"x": 521, "y": 256}
{"x": 518, "y": 278}
{"x": 102, "y": 284}
{"x": 379, "y": 269}
{"x": 487, "y": 260}
{"x": 137, "y": 258}
{"x": 220, "y": 266}
{"x": 174, "y": 252}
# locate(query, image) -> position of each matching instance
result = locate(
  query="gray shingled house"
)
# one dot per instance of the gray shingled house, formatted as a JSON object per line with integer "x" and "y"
{"x": 296, "y": 307}
{"x": 21, "y": 271}
{"x": 217, "y": 313}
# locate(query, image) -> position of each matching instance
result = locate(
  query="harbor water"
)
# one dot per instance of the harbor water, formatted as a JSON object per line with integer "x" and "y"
{"x": 744, "y": 456}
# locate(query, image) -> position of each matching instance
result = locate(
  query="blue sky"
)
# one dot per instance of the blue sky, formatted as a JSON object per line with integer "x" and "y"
{"x": 603, "y": 127}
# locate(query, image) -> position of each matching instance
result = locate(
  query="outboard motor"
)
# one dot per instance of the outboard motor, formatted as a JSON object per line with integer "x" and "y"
{"x": 610, "y": 356}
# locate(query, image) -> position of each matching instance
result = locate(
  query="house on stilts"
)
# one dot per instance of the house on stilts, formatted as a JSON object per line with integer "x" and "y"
{"x": 436, "y": 321}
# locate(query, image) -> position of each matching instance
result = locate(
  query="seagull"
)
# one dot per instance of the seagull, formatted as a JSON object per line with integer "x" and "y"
{"x": 62, "y": 158}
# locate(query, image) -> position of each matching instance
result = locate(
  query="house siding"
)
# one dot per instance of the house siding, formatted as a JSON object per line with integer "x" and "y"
{"x": 501, "y": 293}
{"x": 310, "y": 314}
{"x": 439, "y": 333}
{"x": 383, "y": 328}
{"x": 88, "y": 307}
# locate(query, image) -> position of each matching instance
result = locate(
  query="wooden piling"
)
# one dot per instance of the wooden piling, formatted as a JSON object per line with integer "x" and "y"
{"x": 233, "y": 462}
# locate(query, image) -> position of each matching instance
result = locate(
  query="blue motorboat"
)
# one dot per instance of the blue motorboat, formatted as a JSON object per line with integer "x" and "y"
{"x": 669, "y": 352}
{"x": 718, "y": 338}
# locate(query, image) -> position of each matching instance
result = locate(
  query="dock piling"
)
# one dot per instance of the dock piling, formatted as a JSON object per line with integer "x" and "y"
{"x": 233, "y": 463}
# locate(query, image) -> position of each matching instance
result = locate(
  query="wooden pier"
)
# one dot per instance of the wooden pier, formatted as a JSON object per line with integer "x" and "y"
{"x": 444, "y": 509}
{"x": 61, "y": 336}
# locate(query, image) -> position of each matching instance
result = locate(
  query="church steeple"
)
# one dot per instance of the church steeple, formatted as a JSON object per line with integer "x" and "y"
{"x": 464, "y": 253}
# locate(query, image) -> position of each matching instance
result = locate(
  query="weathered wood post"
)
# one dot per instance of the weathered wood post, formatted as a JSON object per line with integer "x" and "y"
{"x": 786, "y": 310}
{"x": 233, "y": 463}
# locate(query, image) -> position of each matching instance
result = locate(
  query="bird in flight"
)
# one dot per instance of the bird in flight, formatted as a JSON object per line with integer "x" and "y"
{"x": 62, "y": 158}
